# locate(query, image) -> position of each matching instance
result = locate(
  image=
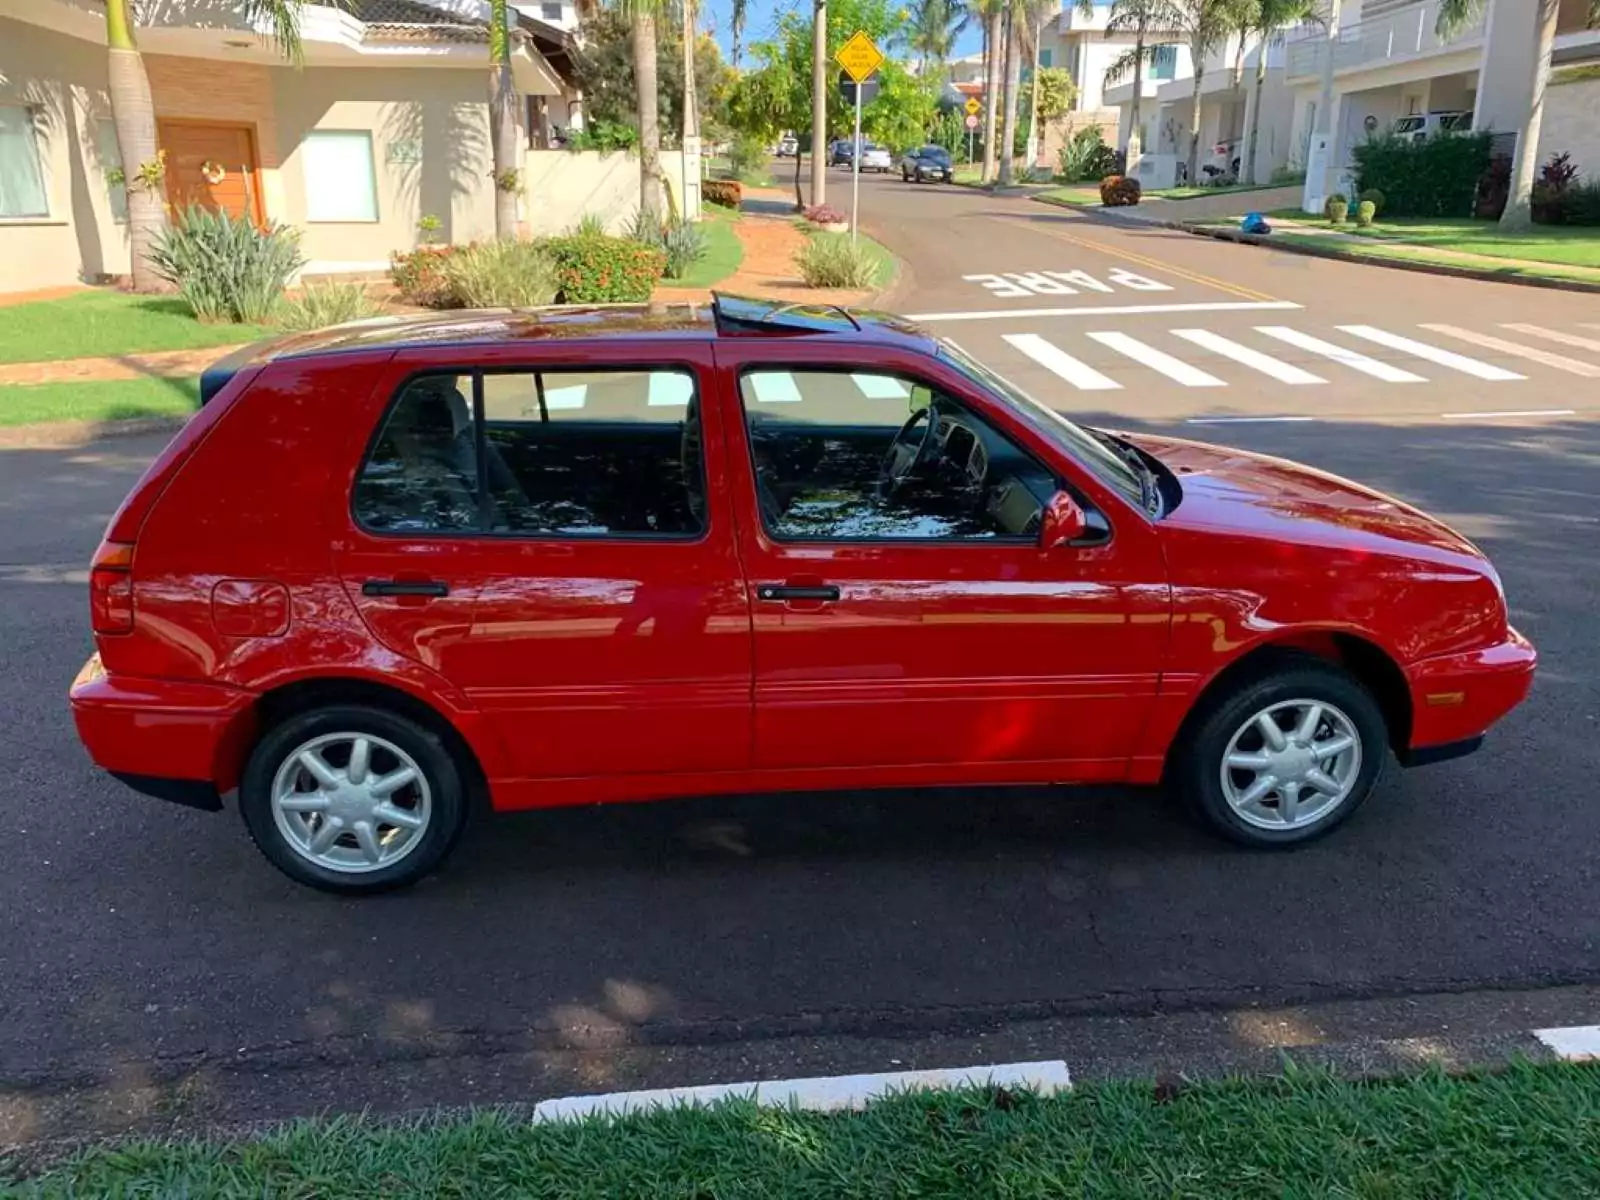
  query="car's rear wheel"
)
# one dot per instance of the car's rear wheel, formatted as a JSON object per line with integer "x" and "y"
{"x": 1284, "y": 756}
{"x": 352, "y": 798}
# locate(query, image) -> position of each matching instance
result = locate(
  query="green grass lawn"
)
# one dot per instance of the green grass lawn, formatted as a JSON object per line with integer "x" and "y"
{"x": 1194, "y": 193}
{"x": 103, "y": 324}
{"x": 1074, "y": 195}
{"x": 1533, "y": 1131}
{"x": 724, "y": 251}
{"x": 718, "y": 167}
{"x": 887, "y": 264}
{"x": 118, "y": 400}
{"x": 1556, "y": 245}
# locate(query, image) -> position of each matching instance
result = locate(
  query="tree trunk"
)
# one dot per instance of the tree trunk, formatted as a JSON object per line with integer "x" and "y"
{"x": 1194, "y": 118}
{"x": 1008, "y": 136}
{"x": 1035, "y": 142}
{"x": 819, "y": 102}
{"x": 799, "y": 156}
{"x": 991, "y": 90}
{"x": 1518, "y": 214}
{"x": 691, "y": 105}
{"x": 133, "y": 113}
{"x": 1247, "y": 165}
{"x": 503, "y": 124}
{"x": 1135, "y": 146}
{"x": 644, "y": 74}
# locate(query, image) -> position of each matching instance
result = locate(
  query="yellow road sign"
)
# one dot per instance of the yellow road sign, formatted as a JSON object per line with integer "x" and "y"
{"x": 859, "y": 56}
{"x": 973, "y": 107}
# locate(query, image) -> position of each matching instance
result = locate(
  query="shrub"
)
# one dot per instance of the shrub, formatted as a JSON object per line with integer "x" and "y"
{"x": 681, "y": 242}
{"x": 1549, "y": 190}
{"x": 1366, "y": 211}
{"x": 1119, "y": 191}
{"x": 1287, "y": 176}
{"x": 605, "y": 270}
{"x": 500, "y": 274}
{"x": 728, "y": 193}
{"x": 832, "y": 260}
{"x": 1434, "y": 178}
{"x": 746, "y": 155}
{"x": 226, "y": 269}
{"x": 1087, "y": 157}
{"x": 1336, "y": 208}
{"x": 1373, "y": 197}
{"x": 605, "y": 136}
{"x": 322, "y": 304}
{"x": 589, "y": 225}
{"x": 1580, "y": 204}
{"x": 823, "y": 214}
{"x": 419, "y": 276}
{"x": 1494, "y": 188}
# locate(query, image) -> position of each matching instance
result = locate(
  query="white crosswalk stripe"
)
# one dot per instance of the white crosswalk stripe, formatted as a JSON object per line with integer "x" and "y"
{"x": 1554, "y": 335}
{"x": 1157, "y": 360}
{"x": 1052, "y": 358}
{"x": 1445, "y": 358}
{"x": 1281, "y": 371}
{"x": 1559, "y": 362}
{"x": 1377, "y": 368}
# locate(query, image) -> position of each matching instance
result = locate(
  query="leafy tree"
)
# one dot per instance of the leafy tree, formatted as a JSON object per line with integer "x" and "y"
{"x": 133, "y": 114}
{"x": 1205, "y": 24}
{"x": 605, "y": 71}
{"x": 1146, "y": 21}
{"x": 1453, "y": 15}
{"x": 904, "y": 109}
{"x": 1266, "y": 20}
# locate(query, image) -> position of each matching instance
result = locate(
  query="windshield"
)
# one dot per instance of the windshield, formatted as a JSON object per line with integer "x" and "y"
{"x": 1118, "y": 468}
{"x": 935, "y": 152}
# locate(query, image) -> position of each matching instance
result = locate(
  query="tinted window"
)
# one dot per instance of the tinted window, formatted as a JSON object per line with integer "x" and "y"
{"x": 552, "y": 454}
{"x": 422, "y": 473}
{"x": 848, "y": 456}
{"x": 594, "y": 453}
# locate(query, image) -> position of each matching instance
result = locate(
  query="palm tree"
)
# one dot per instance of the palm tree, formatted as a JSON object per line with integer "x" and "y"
{"x": 819, "y": 101}
{"x": 503, "y": 120}
{"x": 1206, "y": 24}
{"x": 641, "y": 16}
{"x": 1266, "y": 20}
{"x": 1453, "y": 15}
{"x": 1039, "y": 11}
{"x": 1014, "y": 17}
{"x": 736, "y": 22}
{"x": 1144, "y": 19}
{"x": 134, "y": 115}
{"x": 933, "y": 29}
{"x": 993, "y": 14}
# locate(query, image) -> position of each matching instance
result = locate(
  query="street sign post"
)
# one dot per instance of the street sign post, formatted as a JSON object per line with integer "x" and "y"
{"x": 859, "y": 57}
{"x": 973, "y": 108}
{"x": 972, "y": 125}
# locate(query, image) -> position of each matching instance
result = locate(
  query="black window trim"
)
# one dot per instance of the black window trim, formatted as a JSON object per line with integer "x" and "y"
{"x": 480, "y": 440}
{"x": 1005, "y": 542}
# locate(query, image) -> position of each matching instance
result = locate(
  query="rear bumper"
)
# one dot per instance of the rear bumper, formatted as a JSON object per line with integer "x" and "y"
{"x": 174, "y": 739}
{"x": 1455, "y": 699}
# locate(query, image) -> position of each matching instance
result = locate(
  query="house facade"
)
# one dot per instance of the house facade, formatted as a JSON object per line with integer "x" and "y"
{"x": 385, "y": 122}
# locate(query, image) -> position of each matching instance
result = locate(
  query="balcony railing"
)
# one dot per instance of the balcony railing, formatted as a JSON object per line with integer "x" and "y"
{"x": 1404, "y": 33}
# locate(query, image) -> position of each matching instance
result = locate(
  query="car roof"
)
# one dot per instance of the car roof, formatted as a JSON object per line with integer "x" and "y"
{"x": 725, "y": 317}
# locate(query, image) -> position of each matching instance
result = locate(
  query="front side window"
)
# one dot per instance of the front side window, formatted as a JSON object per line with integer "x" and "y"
{"x": 21, "y": 169}
{"x": 341, "y": 182}
{"x": 849, "y": 456}
{"x": 551, "y": 454}
{"x": 1163, "y": 62}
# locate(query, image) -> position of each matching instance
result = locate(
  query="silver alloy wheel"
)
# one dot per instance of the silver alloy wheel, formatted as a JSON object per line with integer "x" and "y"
{"x": 1291, "y": 764}
{"x": 351, "y": 802}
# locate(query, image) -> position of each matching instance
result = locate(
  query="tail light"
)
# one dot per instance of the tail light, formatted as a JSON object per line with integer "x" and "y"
{"x": 111, "y": 588}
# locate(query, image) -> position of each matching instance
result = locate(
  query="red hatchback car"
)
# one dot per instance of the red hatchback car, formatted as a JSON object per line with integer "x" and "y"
{"x": 585, "y": 555}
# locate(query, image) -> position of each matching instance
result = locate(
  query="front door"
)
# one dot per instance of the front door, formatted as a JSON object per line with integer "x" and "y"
{"x": 212, "y": 166}
{"x": 905, "y": 613}
{"x": 544, "y": 538}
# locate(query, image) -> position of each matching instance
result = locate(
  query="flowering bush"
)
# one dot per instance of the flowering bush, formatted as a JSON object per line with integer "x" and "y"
{"x": 600, "y": 270}
{"x": 822, "y": 214}
{"x": 726, "y": 192}
{"x": 421, "y": 276}
{"x": 1118, "y": 191}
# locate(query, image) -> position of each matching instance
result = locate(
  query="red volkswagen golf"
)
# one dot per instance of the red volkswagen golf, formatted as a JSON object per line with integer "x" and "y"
{"x": 577, "y": 556}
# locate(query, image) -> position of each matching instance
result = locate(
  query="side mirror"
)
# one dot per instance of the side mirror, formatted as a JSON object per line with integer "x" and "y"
{"x": 1064, "y": 523}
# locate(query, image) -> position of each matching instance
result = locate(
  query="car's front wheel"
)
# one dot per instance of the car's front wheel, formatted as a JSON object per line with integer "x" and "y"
{"x": 1284, "y": 756}
{"x": 353, "y": 798}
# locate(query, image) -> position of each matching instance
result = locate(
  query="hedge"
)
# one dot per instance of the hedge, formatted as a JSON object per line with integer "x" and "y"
{"x": 1433, "y": 178}
{"x": 605, "y": 270}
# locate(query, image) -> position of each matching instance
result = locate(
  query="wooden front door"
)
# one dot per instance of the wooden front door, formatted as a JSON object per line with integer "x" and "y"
{"x": 197, "y": 149}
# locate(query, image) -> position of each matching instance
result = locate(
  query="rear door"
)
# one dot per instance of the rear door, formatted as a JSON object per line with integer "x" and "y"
{"x": 542, "y": 532}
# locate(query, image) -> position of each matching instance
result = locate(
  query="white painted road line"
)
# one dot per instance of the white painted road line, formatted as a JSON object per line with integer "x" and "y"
{"x": 1377, "y": 368}
{"x": 1248, "y": 420}
{"x": 1158, "y": 360}
{"x": 1445, "y": 358}
{"x": 1575, "y": 1043}
{"x": 1510, "y": 412}
{"x": 1553, "y": 335}
{"x": 1105, "y": 310}
{"x": 1281, "y": 371}
{"x": 1079, "y": 374}
{"x": 825, "y": 1094}
{"x": 1517, "y": 350}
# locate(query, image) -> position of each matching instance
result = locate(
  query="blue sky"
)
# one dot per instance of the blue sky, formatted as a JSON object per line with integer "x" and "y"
{"x": 761, "y": 13}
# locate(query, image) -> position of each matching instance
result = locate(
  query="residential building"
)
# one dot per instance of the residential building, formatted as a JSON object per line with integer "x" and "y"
{"x": 1081, "y": 44}
{"x": 385, "y": 122}
{"x": 1390, "y": 62}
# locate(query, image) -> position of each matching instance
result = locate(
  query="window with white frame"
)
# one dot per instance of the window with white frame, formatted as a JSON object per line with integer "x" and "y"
{"x": 341, "y": 181}
{"x": 22, "y": 191}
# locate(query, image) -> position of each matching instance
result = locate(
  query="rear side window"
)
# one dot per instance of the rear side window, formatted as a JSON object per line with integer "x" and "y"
{"x": 565, "y": 454}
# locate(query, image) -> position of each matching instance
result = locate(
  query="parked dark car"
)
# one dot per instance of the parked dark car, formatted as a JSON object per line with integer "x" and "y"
{"x": 841, "y": 153}
{"x": 930, "y": 162}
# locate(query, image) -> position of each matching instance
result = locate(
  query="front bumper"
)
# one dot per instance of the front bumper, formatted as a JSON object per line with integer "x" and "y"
{"x": 177, "y": 740}
{"x": 1457, "y": 697}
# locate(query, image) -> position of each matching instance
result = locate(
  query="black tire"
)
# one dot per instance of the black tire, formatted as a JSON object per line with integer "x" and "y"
{"x": 1195, "y": 769}
{"x": 442, "y": 773}
{"x": 905, "y": 175}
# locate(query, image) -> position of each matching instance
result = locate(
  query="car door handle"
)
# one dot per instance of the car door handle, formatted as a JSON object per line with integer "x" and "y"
{"x": 404, "y": 587}
{"x": 795, "y": 591}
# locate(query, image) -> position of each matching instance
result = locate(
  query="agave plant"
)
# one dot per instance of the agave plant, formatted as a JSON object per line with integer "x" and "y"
{"x": 225, "y": 268}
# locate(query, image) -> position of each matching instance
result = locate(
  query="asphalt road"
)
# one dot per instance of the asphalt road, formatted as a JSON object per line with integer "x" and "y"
{"x": 150, "y": 958}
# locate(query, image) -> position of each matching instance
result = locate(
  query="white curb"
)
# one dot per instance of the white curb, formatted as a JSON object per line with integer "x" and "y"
{"x": 1575, "y": 1043}
{"x": 824, "y": 1094}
